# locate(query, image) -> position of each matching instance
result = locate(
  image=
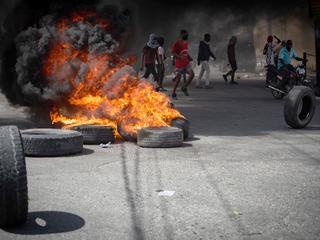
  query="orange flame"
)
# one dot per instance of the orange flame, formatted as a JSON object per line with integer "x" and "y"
{"x": 98, "y": 98}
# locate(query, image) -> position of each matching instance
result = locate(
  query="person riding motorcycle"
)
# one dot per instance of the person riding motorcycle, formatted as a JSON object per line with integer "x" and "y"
{"x": 286, "y": 55}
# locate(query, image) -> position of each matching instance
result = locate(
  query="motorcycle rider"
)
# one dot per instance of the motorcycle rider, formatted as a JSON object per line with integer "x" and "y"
{"x": 286, "y": 55}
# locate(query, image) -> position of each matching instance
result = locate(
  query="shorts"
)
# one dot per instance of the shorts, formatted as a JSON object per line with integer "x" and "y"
{"x": 183, "y": 71}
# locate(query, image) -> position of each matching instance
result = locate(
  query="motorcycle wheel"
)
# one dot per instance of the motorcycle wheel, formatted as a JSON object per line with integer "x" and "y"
{"x": 277, "y": 95}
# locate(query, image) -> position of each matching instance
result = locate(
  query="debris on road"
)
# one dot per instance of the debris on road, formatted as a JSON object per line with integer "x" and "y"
{"x": 166, "y": 193}
{"x": 102, "y": 145}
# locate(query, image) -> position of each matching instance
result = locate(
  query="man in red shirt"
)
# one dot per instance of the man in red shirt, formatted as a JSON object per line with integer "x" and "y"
{"x": 180, "y": 52}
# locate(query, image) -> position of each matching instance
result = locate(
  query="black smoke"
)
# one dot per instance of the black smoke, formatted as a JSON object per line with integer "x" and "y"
{"x": 25, "y": 14}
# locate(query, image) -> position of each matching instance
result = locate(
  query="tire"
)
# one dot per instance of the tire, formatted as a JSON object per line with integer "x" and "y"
{"x": 96, "y": 134}
{"x": 126, "y": 136}
{"x": 299, "y": 107}
{"x": 13, "y": 178}
{"x": 44, "y": 142}
{"x": 183, "y": 124}
{"x": 163, "y": 137}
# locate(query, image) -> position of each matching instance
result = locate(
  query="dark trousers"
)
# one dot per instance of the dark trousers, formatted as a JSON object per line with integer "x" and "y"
{"x": 285, "y": 74}
{"x": 232, "y": 72}
{"x": 151, "y": 69}
{"x": 270, "y": 69}
{"x": 160, "y": 69}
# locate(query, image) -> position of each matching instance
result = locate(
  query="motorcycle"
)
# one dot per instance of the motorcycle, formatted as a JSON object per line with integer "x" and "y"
{"x": 293, "y": 76}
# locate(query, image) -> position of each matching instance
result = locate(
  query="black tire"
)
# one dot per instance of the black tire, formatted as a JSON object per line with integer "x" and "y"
{"x": 299, "y": 107}
{"x": 44, "y": 142}
{"x": 183, "y": 124}
{"x": 13, "y": 178}
{"x": 163, "y": 137}
{"x": 96, "y": 134}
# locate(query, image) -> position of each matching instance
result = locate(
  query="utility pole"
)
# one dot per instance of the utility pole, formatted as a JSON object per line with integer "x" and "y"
{"x": 314, "y": 6}
{"x": 317, "y": 31}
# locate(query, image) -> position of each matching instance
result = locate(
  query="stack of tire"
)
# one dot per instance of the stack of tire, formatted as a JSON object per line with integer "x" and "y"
{"x": 13, "y": 178}
{"x": 299, "y": 107}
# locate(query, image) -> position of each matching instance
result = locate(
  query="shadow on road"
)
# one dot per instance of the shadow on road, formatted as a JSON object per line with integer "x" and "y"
{"x": 48, "y": 222}
{"x": 85, "y": 152}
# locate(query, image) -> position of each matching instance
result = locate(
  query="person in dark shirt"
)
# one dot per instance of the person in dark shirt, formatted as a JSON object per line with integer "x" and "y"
{"x": 232, "y": 60}
{"x": 204, "y": 55}
{"x": 149, "y": 57}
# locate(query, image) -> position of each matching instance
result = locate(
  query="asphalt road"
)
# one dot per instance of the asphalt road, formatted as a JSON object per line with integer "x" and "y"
{"x": 243, "y": 175}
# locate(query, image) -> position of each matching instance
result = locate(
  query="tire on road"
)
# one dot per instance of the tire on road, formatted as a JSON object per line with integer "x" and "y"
{"x": 162, "y": 137}
{"x": 183, "y": 124}
{"x": 299, "y": 107}
{"x": 43, "y": 142}
{"x": 126, "y": 136}
{"x": 13, "y": 178}
{"x": 96, "y": 134}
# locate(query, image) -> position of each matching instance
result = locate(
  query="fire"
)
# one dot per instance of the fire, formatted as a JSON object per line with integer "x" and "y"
{"x": 104, "y": 88}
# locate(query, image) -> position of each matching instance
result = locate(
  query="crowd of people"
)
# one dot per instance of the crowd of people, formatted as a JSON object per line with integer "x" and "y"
{"x": 279, "y": 54}
{"x": 153, "y": 57}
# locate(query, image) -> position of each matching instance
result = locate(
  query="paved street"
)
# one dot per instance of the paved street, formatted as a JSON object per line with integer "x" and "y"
{"x": 243, "y": 175}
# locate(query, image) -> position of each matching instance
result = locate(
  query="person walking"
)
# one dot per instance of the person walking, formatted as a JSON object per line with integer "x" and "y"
{"x": 180, "y": 52}
{"x": 204, "y": 55}
{"x": 149, "y": 58}
{"x": 232, "y": 61}
{"x": 160, "y": 64}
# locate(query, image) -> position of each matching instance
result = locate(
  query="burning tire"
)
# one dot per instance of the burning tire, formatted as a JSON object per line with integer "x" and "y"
{"x": 163, "y": 137}
{"x": 183, "y": 124}
{"x": 13, "y": 178}
{"x": 299, "y": 107}
{"x": 96, "y": 134}
{"x": 51, "y": 142}
{"x": 126, "y": 136}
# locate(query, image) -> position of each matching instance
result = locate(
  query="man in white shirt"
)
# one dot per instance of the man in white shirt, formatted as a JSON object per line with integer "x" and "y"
{"x": 160, "y": 64}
